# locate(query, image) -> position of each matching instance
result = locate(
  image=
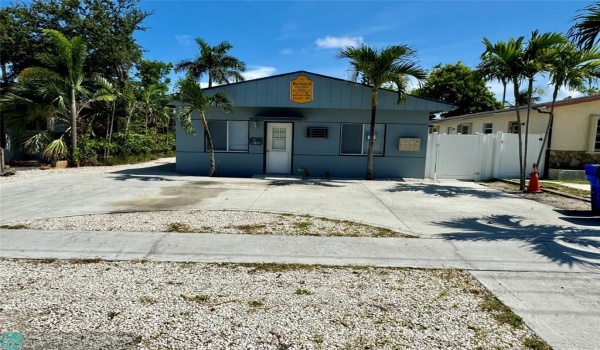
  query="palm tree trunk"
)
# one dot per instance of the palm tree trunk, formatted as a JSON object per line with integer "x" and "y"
{"x": 529, "y": 93}
{"x": 211, "y": 149}
{"x": 548, "y": 138}
{"x": 112, "y": 122}
{"x": 369, "y": 175}
{"x": 521, "y": 170}
{"x": 73, "y": 126}
{"x": 503, "y": 94}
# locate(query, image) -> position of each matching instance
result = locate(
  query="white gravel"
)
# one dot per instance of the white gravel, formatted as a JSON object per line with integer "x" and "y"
{"x": 213, "y": 221}
{"x": 146, "y": 305}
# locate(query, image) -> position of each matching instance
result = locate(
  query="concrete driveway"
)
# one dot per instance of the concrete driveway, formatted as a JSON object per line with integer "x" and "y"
{"x": 542, "y": 262}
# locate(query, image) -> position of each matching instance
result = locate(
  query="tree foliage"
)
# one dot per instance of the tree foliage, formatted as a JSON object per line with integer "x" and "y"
{"x": 106, "y": 25}
{"x": 459, "y": 85}
{"x": 215, "y": 62}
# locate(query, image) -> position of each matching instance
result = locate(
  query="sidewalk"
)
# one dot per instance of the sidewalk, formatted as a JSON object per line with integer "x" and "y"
{"x": 560, "y": 302}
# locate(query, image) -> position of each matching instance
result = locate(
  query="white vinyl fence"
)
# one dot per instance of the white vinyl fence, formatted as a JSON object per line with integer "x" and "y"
{"x": 479, "y": 157}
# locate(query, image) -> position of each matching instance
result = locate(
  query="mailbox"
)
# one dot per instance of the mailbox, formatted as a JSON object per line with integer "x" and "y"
{"x": 409, "y": 144}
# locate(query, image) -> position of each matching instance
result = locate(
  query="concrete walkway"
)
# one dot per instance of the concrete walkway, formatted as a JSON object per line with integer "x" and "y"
{"x": 543, "y": 263}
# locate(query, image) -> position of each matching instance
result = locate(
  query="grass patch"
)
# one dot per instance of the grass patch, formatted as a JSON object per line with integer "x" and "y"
{"x": 535, "y": 344}
{"x": 566, "y": 189}
{"x": 276, "y": 267}
{"x": 85, "y": 261}
{"x": 301, "y": 291}
{"x": 251, "y": 229}
{"x": 140, "y": 261}
{"x": 500, "y": 312}
{"x": 147, "y": 300}
{"x": 302, "y": 225}
{"x": 14, "y": 226}
{"x": 256, "y": 303}
{"x": 180, "y": 227}
{"x": 200, "y": 299}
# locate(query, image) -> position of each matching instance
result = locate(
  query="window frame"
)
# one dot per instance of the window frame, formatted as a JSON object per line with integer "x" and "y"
{"x": 511, "y": 126}
{"x": 594, "y": 133}
{"x": 363, "y": 139}
{"x": 491, "y": 128}
{"x": 247, "y": 150}
{"x": 460, "y": 126}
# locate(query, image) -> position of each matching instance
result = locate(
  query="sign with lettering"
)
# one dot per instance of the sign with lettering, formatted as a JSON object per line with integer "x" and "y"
{"x": 256, "y": 141}
{"x": 301, "y": 90}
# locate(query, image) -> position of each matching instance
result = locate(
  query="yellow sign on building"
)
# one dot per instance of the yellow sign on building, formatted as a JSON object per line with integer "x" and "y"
{"x": 301, "y": 90}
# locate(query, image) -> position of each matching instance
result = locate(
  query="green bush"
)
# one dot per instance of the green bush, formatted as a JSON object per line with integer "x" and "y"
{"x": 134, "y": 144}
{"x": 131, "y": 148}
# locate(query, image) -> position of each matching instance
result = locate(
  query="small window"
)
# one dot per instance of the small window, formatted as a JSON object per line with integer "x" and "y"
{"x": 355, "y": 139}
{"x": 317, "y": 133}
{"x": 488, "y": 128}
{"x": 464, "y": 129}
{"x": 229, "y": 136}
{"x": 513, "y": 127}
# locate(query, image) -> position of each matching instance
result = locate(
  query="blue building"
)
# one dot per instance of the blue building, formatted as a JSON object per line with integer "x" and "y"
{"x": 301, "y": 119}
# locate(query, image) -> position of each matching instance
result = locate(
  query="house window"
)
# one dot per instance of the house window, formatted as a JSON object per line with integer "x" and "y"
{"x": 355, "y": 139}
{"x": 229, "y": 136}
{"x": 513, "y": 127}
{"x": 464, "y": 128}
{"x": 488, "y": 128}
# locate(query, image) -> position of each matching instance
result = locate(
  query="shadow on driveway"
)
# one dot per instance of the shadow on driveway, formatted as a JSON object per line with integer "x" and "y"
{"x": 448, "y": 191}
{"x": 580, "y": 217}
{"x": 561, "y": 244}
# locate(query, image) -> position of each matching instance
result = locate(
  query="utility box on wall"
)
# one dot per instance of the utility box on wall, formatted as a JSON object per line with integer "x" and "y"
{"x": 409, "y": 144}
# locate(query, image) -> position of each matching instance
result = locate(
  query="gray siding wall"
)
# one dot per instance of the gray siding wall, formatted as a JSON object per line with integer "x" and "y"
{"x": 317, "y": 155}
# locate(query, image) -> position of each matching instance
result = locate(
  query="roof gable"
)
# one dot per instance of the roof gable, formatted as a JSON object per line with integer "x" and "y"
{"x": 328, "y": 92}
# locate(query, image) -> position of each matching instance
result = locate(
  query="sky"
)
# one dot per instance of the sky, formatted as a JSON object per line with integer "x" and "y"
{"x": 276, "y": 37}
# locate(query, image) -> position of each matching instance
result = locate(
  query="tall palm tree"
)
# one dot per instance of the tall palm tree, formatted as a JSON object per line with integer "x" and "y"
{"x": 60, "y": 81}
{"x": 193, "y": 100}
{"x": 586, "y": 27}
{"x": 537, "y": 58}
{"x": 508, "y": 56}
{"x": 214, "y": 61}
{"x": 570, "y": 68}
{"x": 393, "y": 64}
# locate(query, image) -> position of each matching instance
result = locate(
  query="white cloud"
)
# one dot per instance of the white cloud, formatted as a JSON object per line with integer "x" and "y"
{"x": 258, "y": 72}
{"x": 286, "y": 51}
{"x": 184, "y": 40}
{"x": 332, "y": 42}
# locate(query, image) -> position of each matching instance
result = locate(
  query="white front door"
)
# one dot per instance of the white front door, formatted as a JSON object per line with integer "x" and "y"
{"x": 279, "y": 148}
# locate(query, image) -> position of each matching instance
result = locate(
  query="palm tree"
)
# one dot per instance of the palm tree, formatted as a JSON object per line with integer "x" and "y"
{"x": 508, "y": 56}
{"x": 214, "y": 61}
{"x": 537, "y": 58}
{"x": 59, "y": 82}
{"x": 193, "y": 100}
{"x": 108, "y": 92}
{"x": 570, "y": 68}
{"x": 586, "y": 27}
{"x": 522, "y": 62}
{"x": 493, "y": 69}
{"x": 392, "y": 64}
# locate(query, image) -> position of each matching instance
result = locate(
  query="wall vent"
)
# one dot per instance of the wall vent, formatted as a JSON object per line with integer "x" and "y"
{"x": 319, "y": 133}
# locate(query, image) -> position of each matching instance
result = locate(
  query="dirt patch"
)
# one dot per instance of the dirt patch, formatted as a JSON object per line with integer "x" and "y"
{"x": 551, "y": 199}
{"x": 175, "y": 197}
